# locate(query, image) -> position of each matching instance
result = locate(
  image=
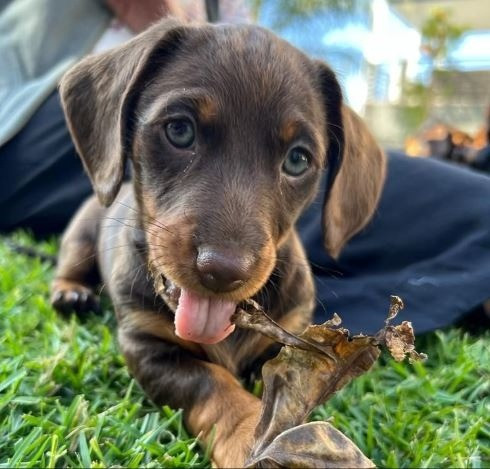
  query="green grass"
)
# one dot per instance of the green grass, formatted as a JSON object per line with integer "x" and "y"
{"x": 66, "y": 398}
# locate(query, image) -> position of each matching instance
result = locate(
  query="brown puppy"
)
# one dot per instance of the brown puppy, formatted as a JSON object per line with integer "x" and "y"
{"x": 228, "y": 129}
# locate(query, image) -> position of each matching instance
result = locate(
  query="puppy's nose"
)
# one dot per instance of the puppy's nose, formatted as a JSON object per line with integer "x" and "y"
{"x": 222, "y": 270}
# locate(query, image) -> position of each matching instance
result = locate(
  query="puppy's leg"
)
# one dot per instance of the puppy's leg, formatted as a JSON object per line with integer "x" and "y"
{"x": 76, "y": 272}
{"x": 216, "y": 407}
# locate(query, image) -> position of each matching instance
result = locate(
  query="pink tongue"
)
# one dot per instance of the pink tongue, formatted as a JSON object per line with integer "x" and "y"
{"x": 203, "y": 320}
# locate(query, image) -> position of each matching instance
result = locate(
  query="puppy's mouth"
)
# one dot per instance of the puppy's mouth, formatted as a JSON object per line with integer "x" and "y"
{"x": 201, "y": 319}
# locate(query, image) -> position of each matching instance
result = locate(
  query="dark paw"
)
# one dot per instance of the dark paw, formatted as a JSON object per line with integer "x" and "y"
{"x": 68, "y": 297}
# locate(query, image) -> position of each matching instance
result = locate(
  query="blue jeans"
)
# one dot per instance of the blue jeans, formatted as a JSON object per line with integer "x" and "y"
{"x": 42, "y": 178}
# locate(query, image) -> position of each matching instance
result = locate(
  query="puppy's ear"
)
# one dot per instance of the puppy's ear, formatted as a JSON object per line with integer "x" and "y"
{"x": 357, "y": 168}
{"x": 99, "y": 96}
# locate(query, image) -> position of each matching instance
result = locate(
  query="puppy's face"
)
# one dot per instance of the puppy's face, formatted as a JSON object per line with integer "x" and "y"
{"x": 229, "y": 130}
{"x": 228, "y": 149}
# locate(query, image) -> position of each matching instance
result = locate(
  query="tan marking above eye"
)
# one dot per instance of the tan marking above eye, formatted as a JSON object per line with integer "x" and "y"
{"x": 288, "y": 131}
{"x": 207, "y": 109}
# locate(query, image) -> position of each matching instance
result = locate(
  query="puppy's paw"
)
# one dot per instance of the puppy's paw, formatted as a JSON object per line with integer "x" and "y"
{"x": 68, "y": 296}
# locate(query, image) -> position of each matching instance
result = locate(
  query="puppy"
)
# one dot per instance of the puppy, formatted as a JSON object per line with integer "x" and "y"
{"x": 228, "y": 130}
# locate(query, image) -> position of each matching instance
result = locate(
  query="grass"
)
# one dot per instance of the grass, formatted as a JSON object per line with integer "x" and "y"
{"x": 66, "y": 398}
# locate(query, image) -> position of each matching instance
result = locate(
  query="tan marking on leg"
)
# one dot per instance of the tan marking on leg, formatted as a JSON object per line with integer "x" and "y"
{"x": 230, "y": 415}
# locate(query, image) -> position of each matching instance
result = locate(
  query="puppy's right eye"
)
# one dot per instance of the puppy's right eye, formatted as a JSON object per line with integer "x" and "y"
{"x": 180, "y": 133}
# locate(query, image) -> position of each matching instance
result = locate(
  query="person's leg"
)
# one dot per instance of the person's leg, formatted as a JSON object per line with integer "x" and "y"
{"x": 428, "y": 242}
{"x": 482, "y": 160}
{"x": 42, "y": 181}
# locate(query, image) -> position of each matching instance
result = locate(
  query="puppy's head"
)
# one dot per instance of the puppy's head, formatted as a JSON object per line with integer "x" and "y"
{"x": 229, "y": 129}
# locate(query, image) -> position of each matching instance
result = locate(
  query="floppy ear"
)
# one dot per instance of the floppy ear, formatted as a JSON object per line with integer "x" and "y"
{"x": 357, "y": 168}
{"x": 99, "y": 96}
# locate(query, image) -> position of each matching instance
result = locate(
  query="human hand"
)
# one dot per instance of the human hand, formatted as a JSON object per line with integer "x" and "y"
{"x": 137, "y": 15}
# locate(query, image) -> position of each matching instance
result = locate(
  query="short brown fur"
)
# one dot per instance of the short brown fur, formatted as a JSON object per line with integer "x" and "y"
{"x": 251, "y": 98}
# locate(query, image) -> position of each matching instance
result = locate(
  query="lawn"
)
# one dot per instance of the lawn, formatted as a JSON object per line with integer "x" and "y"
{"x": 66, "y": 398}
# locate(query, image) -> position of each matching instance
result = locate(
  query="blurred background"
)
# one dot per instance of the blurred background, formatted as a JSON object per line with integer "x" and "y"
{"x": 418, "y": 71}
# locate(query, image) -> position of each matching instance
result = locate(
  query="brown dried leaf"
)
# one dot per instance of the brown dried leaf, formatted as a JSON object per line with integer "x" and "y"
{"x": 400, "y": 341}
{"x": 252, "y": 316}
{"x": 298, "y": 380}
{"x": 396, "y": 305}
{"x": 305, "y": 373}
{"x": 322, "y": 446}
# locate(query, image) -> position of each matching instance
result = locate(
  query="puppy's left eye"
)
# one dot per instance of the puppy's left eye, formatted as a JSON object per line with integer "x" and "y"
{"x": 297, "y": 162}
{"x": 180, "y": 133}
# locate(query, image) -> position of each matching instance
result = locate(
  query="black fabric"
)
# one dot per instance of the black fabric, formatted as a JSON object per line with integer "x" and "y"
{"x": 482, "y": 160}
{"x": 429, "y": 243}
{"x": 212, "y": 10}
{"x": 42, "y": 181}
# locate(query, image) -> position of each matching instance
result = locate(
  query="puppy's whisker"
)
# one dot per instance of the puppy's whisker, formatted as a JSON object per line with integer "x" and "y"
{"x": 122, "y": 221}
{"x": 283, "y": 263}
{"x": 146, "y": 217}
{"x": 138, "y": 271}
{"x": 157, "y": 258}
{"x": 133, "y": 228}
{"x": 157, "y": 245}
{"x": 91, "y": 256}
{"x": 156, "y": 220}
{"x": 154, "y": 265}
{"x": 306, "y": 262}
{"x": 159, "y": 227}
{"x": 275, "y": 287}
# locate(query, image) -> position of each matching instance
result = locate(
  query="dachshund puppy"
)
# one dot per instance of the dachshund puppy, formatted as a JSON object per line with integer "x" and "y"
{"x": 228, "y": 130}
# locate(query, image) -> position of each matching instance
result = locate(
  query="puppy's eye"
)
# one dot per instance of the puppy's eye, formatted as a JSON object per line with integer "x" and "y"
{"x": 180, "y": 133}
{"x": 297, "y": 162}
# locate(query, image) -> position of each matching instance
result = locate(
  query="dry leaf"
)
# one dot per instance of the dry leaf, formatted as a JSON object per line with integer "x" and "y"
{"x": 305, "y": 373}
{"x": 322, "y": 446}
{"x": 399, "y": 340}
